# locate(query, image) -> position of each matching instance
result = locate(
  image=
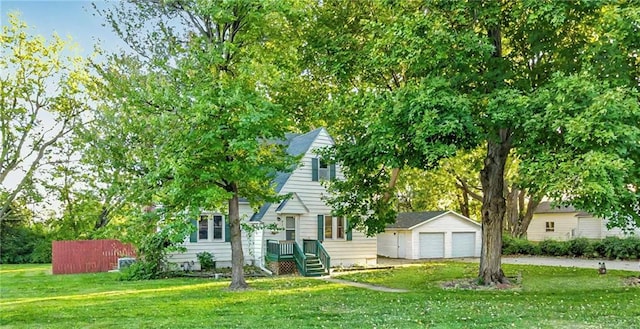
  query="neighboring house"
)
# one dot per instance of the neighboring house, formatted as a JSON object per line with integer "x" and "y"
{"x": 566, "y": 222}
{"x": 431, "y": 234}
{"x": 308, "y": 238}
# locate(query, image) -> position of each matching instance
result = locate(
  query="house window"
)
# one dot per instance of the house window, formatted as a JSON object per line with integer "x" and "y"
{"x": 334, "y": 227}
{"x": 211, "y": 228}
{"x": 339, "y": 228}
{"x": 290, "y": 228}
{"x": 217, "y": 227}
{"x": 203, "y": 228}
{"x": 321, "y": 169}
{"x": 328, "y": 227}
{"x": 550, "y": 226}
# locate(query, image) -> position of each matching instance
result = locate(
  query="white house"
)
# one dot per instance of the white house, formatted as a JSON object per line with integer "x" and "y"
{"x": 309, "y": 237}
{"x": 432, "y": 234}
{"x": 566, "y": 222}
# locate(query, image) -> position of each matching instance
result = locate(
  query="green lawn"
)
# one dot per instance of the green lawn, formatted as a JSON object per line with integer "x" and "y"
{"x": 30, "y": 297}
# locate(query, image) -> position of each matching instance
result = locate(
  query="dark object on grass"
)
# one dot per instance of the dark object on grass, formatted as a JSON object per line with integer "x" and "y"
{"x": 602, "y": 269}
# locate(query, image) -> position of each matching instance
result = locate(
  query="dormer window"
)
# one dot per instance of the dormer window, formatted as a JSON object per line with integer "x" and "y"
{"x": 321, "y": 169}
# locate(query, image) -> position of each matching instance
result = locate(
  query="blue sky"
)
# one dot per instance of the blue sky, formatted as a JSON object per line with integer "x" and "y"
{"x": 76, "y": 19}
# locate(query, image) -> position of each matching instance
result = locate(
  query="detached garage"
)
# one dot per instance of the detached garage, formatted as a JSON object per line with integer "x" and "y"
{"x": 431, "y": 234}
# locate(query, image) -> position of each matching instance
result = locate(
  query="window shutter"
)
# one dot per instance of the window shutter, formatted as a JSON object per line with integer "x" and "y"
{"x": 332, "y": 171}
{"x": 194, "y": 234}
{"x": 349, "y": 230}
{"x": 227, "y": 230}
{"x": 314, "y": 169}
{"x": 320, "y": 227}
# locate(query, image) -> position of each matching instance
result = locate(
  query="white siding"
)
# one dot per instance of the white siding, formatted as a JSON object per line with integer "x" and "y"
{"x": 447, "y": 224}
{"x": 565, "y": 225}
{"x": 406, "y": 243}
{"x": 568, "y": 226}
{"x": 617, "y": 231}
{"x": 589, "y": 227}
{"x": 360, "y": 251}
{"x": 388, "y": 244}
{"x": 221, "y": 250}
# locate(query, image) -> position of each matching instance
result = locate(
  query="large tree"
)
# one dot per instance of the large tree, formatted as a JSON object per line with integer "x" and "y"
{"x": 196, "y": 104}
{"x": 551, "y": 82}
{"x": 42, "y": 98}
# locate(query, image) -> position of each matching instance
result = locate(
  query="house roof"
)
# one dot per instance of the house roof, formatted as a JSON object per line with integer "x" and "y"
{"x": 293, "y": 205}
{"x": 545, "y": 207}
{"x": 297, "y": 144}
{"x": 409, "y": 220}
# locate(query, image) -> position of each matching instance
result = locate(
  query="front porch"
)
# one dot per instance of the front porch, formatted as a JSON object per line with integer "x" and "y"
{"x": 310, "y": 260}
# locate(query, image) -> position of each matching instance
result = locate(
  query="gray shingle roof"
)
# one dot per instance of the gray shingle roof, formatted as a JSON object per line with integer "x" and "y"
{"x": 296, "y": 145}
{"x": 411, "y": 219}
{"x": 545, "y": 207}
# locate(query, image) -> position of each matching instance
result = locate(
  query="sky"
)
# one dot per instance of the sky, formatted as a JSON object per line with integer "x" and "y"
{"x": 72, "y": 18}
{"x": 75, "y": 19}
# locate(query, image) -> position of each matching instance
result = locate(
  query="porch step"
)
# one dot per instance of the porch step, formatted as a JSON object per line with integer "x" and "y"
{"x": 314, "y": 266}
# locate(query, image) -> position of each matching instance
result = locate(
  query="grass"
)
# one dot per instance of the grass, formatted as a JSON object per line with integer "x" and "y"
{"x": 30, "y": 297}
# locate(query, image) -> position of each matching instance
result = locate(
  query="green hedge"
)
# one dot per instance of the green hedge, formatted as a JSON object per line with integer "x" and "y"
{"x": 610, "y": 247}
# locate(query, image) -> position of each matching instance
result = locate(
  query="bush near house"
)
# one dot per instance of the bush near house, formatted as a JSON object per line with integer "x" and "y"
{"x": 610, "y": 247}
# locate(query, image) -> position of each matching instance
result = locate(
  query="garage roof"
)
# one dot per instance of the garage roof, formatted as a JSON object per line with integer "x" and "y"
{"x": 411, "y": 219}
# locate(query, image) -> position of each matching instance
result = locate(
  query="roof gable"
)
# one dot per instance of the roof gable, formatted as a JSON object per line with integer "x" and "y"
{"x": 293, "y": 205}
{"x": 297, "y": 144}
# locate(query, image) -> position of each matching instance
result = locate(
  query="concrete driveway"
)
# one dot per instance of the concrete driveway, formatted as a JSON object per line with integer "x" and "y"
{"x": 533, "y": 260}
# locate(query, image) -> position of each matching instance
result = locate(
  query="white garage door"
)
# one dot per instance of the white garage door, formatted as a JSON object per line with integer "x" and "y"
{"x": 431, "y": 245}
{"x": 463, "y": 244}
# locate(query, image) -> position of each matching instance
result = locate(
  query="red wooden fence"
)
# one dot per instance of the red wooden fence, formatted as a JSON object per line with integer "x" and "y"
{"x": 88, "y": 255}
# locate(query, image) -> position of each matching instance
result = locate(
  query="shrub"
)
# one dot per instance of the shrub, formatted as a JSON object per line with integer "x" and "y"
{"x": 207, "y": 261}
{"x": 153, "y": 250}
{"x": 41, "y": 252}
{"x": 516, "y": 246}
{"x": 554, "y": 248}
{"x": 617, "y": 248}
{"x": 579, "y": 247}
{"x": 19, "y": 243}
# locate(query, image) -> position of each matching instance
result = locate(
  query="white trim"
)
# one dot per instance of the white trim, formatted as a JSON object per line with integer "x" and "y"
{"x": 442, "y": 215}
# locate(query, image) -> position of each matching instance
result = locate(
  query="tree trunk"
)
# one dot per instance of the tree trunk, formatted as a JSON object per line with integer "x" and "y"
{"x": 463, "y": 201}
{"x": 493, "y": 208}
{"x": 525, "y": 219}
{"x": 237, "y": 256}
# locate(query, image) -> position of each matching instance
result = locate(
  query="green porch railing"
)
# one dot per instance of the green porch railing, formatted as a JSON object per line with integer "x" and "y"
{"x": 315, "y": 247}
{"x": 277, "y": 250}
{"x": 300, "y": 258}
{"x": 289, "y": 249}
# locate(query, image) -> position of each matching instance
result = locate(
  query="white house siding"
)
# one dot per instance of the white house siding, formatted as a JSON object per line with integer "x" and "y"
{"x": 446, "y": 224}
{"x": 589, "y": 227}
{"x": 394, "y": 243}
{"x": 403, "y": 243}
{"x": 360, "y": 251}
{"x": 617, "y": 231}
{"x": 221, "y": 250}
{"x": 565, "y": 223}
{"x": 569, "y": 225}
{"x": 388, "y": 245}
